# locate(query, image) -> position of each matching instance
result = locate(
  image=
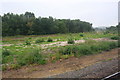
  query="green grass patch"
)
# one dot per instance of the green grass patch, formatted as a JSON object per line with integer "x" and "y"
{"x": 49, "y": 40}
{"x": 40, "y": 40}
{"x": 88, "y": 48}
{"x": 31, "y": 57}
{"x": 71, "y": 41}
{"x": 115, "y": 37}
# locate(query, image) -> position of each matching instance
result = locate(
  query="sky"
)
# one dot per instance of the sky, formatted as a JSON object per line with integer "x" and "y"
{"x": 97, "y": 12}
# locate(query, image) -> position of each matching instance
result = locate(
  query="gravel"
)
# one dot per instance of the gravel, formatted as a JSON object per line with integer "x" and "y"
{"x": 98, "y": 70}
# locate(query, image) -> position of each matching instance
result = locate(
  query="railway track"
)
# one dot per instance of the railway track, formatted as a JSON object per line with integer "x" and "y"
{"x": 115, "y": 76}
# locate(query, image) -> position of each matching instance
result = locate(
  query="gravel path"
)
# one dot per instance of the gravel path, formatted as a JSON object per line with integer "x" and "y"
{"x": 98, "y": 70}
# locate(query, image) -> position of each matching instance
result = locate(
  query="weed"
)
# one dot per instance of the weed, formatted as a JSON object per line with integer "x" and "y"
{"x": 90, "y": 42}
{"x": 32, "y": 57}
{"x": 71, "y": 41}
{"x": 39, "y": 40}
{"x": 14, "y": 66}
{"x": 27, "y": 42}
{"x": 81, "y": 35}
{"x": 87, "y": 48}
{"x": 5, "y": 53}
{"x": 29, "y": 38}
{"x": 115, "y": 37}
{"x": 64, "y": 56}
{"x": 4, "y": 67}
{"x": 49, "y": 40}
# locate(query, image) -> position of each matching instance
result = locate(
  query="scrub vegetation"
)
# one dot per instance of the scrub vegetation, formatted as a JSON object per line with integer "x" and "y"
{"x": 38, "y": 41}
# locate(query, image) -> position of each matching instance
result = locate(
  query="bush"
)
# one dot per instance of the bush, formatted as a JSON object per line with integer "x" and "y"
{"x": 4, "y": 67}
{"x": 27, "y": 42}
{"x": 106, "y": 32}
{"x": 14, "y": 66}
{"x": 29, "y": 38}
{"x": 31, "y": 57}
{"x": 39, "y": 40}
{"x": 113, "y": 45}
{"x": 81, "y": 35}
{"x": 49, "y": 40}
{"x": 115, "y": 37}
{"x": 66, "y": 50}
{"x": 7, "y": 59}
{"x": 89, "y": 42}
{"x": 85, "y": 50}
{"x": 95, "y": 48}
{"x": 5, "y": 53}
{"x": 104, "y": 46}
{"x": 71, "y": 41}
{"x": 88, "y": 48}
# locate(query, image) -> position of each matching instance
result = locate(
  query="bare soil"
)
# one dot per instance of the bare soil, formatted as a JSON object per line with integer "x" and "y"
{"x": 64, "y": 43}
{"x": 61, "y": 66}
{"x": 60, "y": 43}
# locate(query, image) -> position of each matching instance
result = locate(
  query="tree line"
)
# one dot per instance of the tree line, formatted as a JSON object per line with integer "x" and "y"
{"x": 28, "y": 24}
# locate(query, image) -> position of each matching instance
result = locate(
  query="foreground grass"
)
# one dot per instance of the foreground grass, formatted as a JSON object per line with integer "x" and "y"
{"x": 89, "y": 47}
{"x": 23, "y": 50}
{"x": 29, "y": 56}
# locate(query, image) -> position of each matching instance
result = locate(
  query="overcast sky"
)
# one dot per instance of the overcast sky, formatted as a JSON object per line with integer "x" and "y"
{"x": 98, "y": 12}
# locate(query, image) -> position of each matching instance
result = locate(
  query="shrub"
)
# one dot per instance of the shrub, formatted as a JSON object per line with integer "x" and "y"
{"x": 71, "y": 41}
{"x": 85, "y": 50}
{"x": 66, "y": 50}
{"x": 14, "y": 66}
{"x": 106, "y": 32}
{"x": 115, "y": 37}
{"x": 119, "y": 43}
{"x": 29, "y": 38}
{"x": 95, "y": 48}
{"x": 81, "y": 35}
{"x": 113, "y": 45}
{"x": 64, "y": 56}
{"x": 7, "y": 59}
{"x": 4, "y": 67}
{"x": 49, "y": 40}
{"x": 27, "y": 42}
{"x": 90, "y": 42}
{"x": 31, "y": 57}
{"x": 39, "y": 40}
{"x": 5, "y": 53}
{"x": 104, "y": 46}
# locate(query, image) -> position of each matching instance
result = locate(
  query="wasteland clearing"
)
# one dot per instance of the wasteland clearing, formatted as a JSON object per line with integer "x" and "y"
{"x": 44, "y": 56}
{"x": 62, "y": 66}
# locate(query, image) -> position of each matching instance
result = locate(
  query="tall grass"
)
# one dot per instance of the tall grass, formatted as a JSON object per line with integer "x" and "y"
{"x": 88, "y": 48}
{"x": 115, "y": 37}
{"x": 31, "y": 57}
{"x": 71, "y": 41}
{"x": 40, "y": 40}
{"x": 16, "y": 61}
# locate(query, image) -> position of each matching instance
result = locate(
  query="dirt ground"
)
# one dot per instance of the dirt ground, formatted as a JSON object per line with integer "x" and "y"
{"x": 64, "y": 43}
{"x": 61, "y": 66}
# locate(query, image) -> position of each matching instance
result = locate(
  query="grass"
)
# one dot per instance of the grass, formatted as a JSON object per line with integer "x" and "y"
{"x": 71, "y": 41}
{"x": 115, "y": 37}
{"x": 25, "y": 50}
{"x": 49, "y": 40}
{"x": 27, "y": 42}
{"x": 59, "y": 37}
{"x": 33, "y": 56}
{"x": 40, "y": 40}
{"x": 88, "y": 48}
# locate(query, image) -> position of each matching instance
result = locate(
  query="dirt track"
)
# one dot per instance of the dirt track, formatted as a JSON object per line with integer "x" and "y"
{"x": 98, "y": 70}
{"x": 60, "y": 67}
